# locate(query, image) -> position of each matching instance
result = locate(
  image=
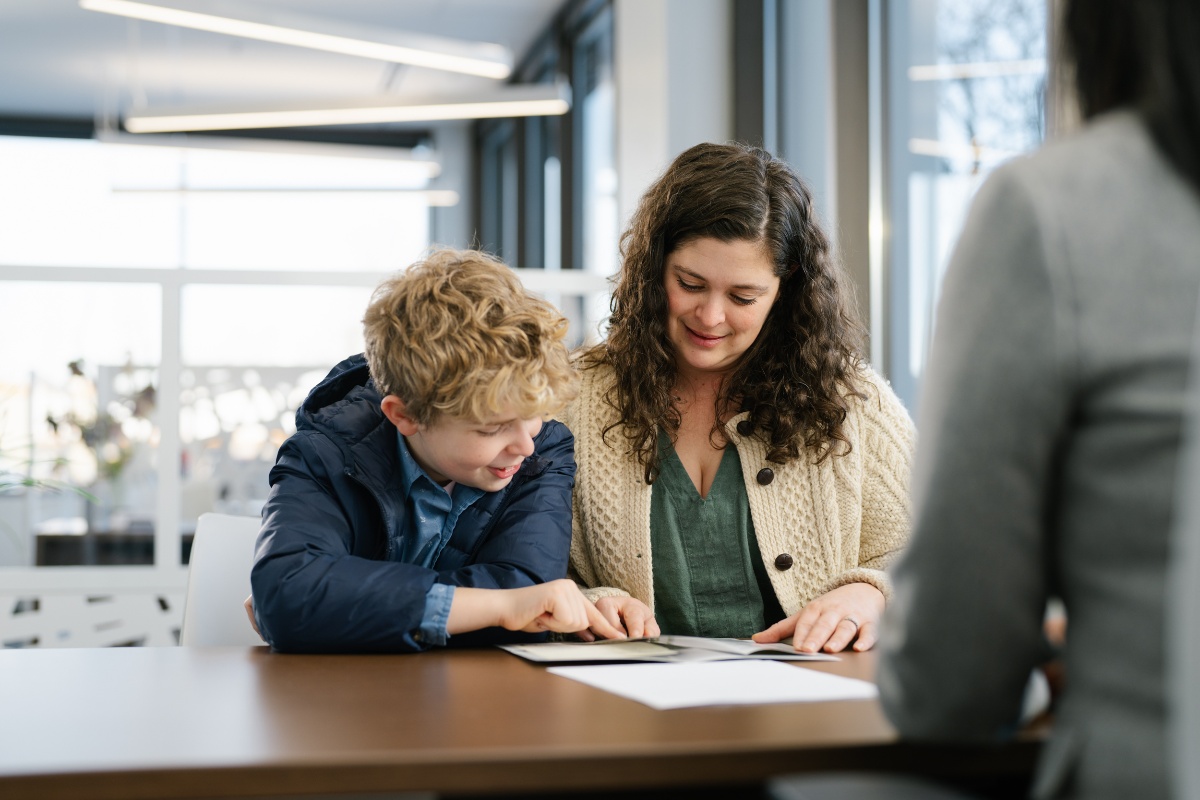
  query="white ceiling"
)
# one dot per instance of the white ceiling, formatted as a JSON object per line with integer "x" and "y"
{"x": 58, "y": 60}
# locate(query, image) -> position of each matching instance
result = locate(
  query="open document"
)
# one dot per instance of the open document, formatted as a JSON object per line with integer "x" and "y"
{"x": 664, "y": 649}
{"x": 665, "y": 686}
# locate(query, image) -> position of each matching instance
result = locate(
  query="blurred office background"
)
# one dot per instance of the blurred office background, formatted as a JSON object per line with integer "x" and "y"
{"x": 167, "y": 298}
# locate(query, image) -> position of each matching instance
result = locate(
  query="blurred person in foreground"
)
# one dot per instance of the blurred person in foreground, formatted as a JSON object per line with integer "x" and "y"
{"x": 1051, "y": 422}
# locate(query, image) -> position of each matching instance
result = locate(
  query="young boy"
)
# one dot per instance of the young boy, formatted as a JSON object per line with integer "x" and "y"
{"x": 422, "y": 496}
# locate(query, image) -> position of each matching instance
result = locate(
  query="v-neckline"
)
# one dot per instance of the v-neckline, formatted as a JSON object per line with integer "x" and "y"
{"x": 683, "y": 470}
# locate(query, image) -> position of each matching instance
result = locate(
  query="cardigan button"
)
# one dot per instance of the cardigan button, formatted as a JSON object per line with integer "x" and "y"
{"x": 783, "y": 561}
{"x": 745, "y": 427}
{"x": 765, "y": 476}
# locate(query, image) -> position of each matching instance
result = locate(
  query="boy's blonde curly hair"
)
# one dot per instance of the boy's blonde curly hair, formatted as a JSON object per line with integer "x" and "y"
{"x": 458, "y": 334}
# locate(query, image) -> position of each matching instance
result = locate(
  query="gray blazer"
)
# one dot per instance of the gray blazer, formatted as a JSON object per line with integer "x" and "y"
{"x": 1183, "y": 607}
{"x": 1048, "y": 442}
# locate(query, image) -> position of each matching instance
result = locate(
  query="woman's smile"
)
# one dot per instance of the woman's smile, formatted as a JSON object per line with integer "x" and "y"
{"x": 703, "y": 340}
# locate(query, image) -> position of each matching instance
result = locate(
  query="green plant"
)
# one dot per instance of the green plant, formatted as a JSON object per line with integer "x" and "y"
{"x": 13, "y": 481}
{"x": 20, "y": 472}
{"x": 101, "y": 429}
{"x": 17, "y": 473}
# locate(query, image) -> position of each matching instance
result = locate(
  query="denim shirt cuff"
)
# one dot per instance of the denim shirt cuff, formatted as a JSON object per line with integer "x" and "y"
{"x": 437, "y": 613}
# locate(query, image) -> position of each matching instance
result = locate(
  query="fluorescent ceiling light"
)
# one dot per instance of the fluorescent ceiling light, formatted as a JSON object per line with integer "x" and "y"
{"x": 512, "y": 101}
{"x": 421, "y": 160}
{"x": 979, "y": 69}
{"x": 442, "y": 198}
{"x": 493, "y": 62}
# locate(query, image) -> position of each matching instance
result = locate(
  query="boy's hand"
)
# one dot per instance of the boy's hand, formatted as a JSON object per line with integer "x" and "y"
{"x": 249, "y": 606}
{"x": 556, "y": 606}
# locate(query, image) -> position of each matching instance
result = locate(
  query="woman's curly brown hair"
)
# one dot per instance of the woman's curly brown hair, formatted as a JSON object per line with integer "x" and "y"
{"x": 796, "y": 377}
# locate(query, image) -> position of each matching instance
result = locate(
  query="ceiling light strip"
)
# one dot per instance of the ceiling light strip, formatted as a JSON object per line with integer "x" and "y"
{"x": 243, "y": 120}
{"x": 434, "y": 197}
{"x": 301, "y": 38}
{"x": 404, "y": 158}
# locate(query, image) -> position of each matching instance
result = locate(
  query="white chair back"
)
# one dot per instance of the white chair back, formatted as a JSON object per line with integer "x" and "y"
{"x": 219, "y": 582}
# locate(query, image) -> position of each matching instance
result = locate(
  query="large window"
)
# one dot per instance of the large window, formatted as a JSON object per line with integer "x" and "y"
{"x": 894, "y": 112}
{"x": 499, "y": 191}
{"x": 546, "y": 186}
{"x": 596, "y": 224}
{"x": 77, "y": 410}
{"x": 164, "y": 311}
{"x": 965, "y": 92}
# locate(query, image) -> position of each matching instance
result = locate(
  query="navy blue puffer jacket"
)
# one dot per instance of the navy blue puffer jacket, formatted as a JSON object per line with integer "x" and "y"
{"x": 322, "y": 578}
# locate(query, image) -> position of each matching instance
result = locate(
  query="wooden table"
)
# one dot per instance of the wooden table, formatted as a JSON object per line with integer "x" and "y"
{"x": 204, "y": 722}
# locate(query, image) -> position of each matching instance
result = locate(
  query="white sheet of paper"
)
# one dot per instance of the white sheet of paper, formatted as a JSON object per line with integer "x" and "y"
{"x": 714, "y": 683}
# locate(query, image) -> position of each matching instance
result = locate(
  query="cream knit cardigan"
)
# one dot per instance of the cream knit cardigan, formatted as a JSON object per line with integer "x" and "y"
{"x": 841, "y": 521}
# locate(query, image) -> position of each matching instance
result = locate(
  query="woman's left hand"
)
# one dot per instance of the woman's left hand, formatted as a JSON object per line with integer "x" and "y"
{"x": 832, "y": 621}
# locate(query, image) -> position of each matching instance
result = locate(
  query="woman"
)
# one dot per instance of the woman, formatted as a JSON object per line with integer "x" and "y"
{"x": 740, "y": 469}
{"x": 1051, "y": 421}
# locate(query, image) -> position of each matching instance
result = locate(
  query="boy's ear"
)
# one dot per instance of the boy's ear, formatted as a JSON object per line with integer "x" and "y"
{"x": 397, "y": 413}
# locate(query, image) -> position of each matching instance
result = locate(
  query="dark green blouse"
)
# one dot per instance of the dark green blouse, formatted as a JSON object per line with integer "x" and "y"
{"x": 709, "y": 578}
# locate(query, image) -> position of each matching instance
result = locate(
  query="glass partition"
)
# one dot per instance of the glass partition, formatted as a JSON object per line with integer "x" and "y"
{"x": 598, "y": 227}
{"x": 250, "y": 355}
{"x": 79, "y": 428}
{"x": 165, "y": 310}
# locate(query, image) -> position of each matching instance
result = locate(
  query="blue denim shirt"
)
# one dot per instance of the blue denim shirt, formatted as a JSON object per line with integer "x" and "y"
{"x": 433, "y": 513}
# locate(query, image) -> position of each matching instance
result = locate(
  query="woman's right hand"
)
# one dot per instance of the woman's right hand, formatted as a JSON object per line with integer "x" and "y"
{"x": 626, "y": 614}
{"x": 832, "y": 621}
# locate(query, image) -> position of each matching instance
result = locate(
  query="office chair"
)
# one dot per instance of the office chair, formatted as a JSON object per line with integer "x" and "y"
{"x": 219, "y": 582}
